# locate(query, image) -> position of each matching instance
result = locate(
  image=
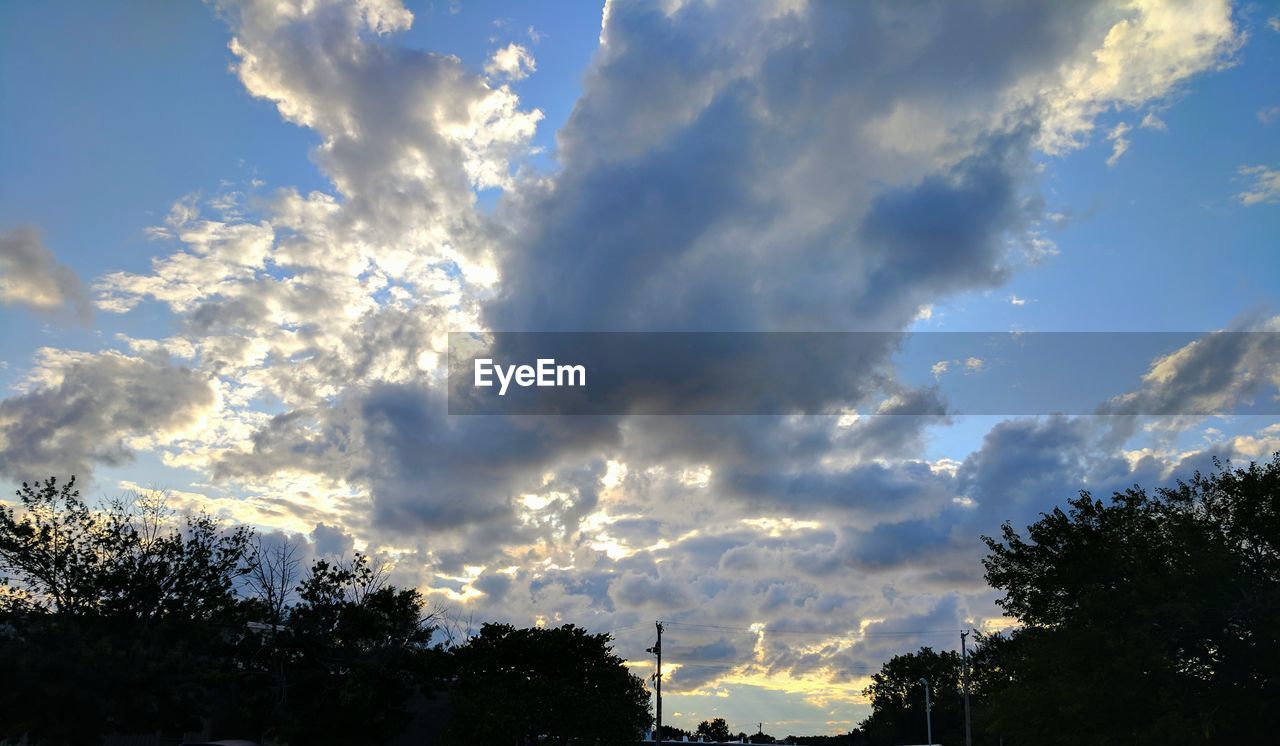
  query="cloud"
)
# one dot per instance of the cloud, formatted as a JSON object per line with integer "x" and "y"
{"x": 1152, "y": 121}
{"x": 1119, "y": 143}
{"x": 30, "y": 275}
{"x": 1268, "y": 114}
{"x": 219, "y": 257}
{"x": 1210, "y": 375}
{"x": 1264, "y": 187}
{"x": 970, "y": 365}
{"x": 702, "y": 189}
{"x": 865, "y": 493}
{"x": 405, "y": 133}
{"x": 643, "y": 591}
{"x": 428, "y": 474}
{"x": 332, "y": 540}
{"x": 1148, "y": 49}
{"x": 334, "y": 304}
{"x": 85, "y": 408}
{"x": 512, "y": 62}
{"x": 827, "y": 247}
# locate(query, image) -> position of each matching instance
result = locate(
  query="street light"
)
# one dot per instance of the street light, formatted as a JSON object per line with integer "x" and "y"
{"x": 928, "y": 714}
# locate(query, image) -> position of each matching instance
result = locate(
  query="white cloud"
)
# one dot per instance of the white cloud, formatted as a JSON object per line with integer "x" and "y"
{"x": 1037, "y": 248}
{"x": 1264, "y": 186}
{"x": 1119, "y": 142}
{"x": 512, "y": 62}
{"x": 1149, "y": 47}
{"x": 219, "y": 258}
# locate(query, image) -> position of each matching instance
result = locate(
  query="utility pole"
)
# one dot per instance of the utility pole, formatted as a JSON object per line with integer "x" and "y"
{"x": 964, "y": 678}
{"x": 657, "y": 682}
{"x": 928, "y": 712}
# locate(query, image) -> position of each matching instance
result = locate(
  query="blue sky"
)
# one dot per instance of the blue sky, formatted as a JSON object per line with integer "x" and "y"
{"x": 269, "y": 348}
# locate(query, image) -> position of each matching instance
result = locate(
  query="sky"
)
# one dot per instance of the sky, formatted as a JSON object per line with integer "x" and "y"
{"x": 234, "y": 237}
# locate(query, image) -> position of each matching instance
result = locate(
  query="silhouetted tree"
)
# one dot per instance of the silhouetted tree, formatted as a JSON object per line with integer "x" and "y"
{"x": 558, "y": 683}
{"x": 713, "y": 730}
{"x": 345, "y": 658}
{"x": 1151, "y": 619}
{"x": 113, "y": 620}
{"x": 897, "y": 699}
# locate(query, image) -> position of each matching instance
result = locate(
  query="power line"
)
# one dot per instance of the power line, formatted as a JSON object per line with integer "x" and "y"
{"x": 616, "y": 630}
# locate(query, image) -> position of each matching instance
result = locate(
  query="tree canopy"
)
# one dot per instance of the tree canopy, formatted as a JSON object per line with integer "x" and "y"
{"x": 713, "y": 730}
{"x": 139, "y": 622}
{"x": 897, "y": 698}
{"x": 559, "y": 683}
{"x": 1151, "y": 618}
{"x": 115, "y": 615}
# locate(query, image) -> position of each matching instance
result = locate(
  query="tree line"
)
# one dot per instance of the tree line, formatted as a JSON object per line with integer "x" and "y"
{"x": 126, "y": 620}
{"x": 1152, "y": 617}
{"x": 1149, "y": 618}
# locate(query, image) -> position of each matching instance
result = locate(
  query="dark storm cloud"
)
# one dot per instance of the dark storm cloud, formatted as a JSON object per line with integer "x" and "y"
{"x": 742, "y": 191}
{"x": 1028, "y": 461}
{"x": 316, "y": 440}
{"x": 868, "y": 491}
{"x": 643, "y": 591}
{"x": 701, "y": 664}
{"x": 431, "y": 472}
{"x": 332, "y": 540}
{"x": 590, "y": 584}
{"x": 493, "y": 584}
{"x": 943, "y": 234}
